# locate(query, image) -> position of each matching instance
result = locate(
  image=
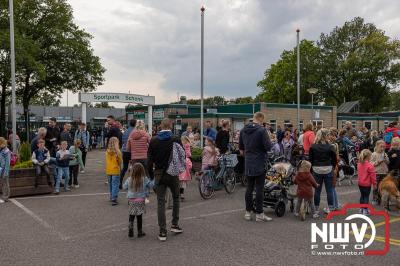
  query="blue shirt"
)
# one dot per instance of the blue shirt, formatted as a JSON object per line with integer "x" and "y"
{"x": 125, "y": 138}
{"x": 142, "y": 193}
{"x": 210, "y": 133}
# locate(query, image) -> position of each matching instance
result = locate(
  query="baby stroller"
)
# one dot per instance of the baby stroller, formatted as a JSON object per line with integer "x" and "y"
{"x": 276, "y": 189}
{"x": 348, "y": 168}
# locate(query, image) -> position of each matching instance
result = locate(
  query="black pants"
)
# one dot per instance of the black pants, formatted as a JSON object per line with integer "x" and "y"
{"x": 139, "y": 222}
{"x": 258, "y": 183}
{"x": 162, "y": 182}
{"x": 364, "y": 199}
{"x": 73, "y": 174}
{"x": 84, "y": 152}
{"x": 126, "y": 157}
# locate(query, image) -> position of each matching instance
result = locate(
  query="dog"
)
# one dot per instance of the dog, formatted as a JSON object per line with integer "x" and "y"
{"x": 388, "y": 190}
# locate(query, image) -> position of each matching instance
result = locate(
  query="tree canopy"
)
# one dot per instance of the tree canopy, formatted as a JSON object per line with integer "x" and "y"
{"x": 356, "y": 61}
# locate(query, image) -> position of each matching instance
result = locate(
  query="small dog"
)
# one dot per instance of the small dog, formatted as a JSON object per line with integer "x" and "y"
{"x": 388, "y": 189}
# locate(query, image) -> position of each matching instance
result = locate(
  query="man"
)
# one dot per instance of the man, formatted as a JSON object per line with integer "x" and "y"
{"x": 83, "y": 135}
{"x": 114, "y": 130}
{"x": 188, "y": 133}
{"x": 159, "y": 152}
{"x": 52, "y": 137}
{"x": 66, "y": 135}
{"x": 254, "y": 143}
{"x": 350, "y": 131}
{"x": 126, "y": 154}
{"x": 209, "y": 131}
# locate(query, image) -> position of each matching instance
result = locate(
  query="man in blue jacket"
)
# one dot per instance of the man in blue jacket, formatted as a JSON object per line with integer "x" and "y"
{"x": 254, "y": 143}
{"x": 209, "y": 131}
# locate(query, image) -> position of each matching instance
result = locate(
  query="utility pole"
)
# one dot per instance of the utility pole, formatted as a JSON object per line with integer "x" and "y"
{"x": 12, "y": 57}
{"x": 202, "y": 9}
{"x": 298, "y": 78}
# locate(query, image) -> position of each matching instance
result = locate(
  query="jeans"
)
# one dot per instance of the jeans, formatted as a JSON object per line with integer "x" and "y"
{"x": 335, "y": 199}
{"x": 328, "y": 180}
{"x": 258, "y": 183}
{"x": 73, "y": 172}
{"x": 163, "y": 181}
{"x": 5, "y": 180}
{"x": 113, "y": 183}
{"x": 62, "y": 172}
{"x": 126, "y": 157}
{"x": 39, "y": 169}
{"x": 364, "y": 199}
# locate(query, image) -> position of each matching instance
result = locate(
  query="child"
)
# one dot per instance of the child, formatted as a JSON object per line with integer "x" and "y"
{"x": 138, "y": 186}
{"x": 5, "y": 158}
{"x": 380, "y": 160}
{"x": 196, "y": 141}
{"x": 75, "y": 163}
{"x": 62, "y": 157}
{"x": 276, "y": 148}
{"x": 41, "y": 159}
{"x": 305, "y": 182}
{"x": 394, "y": 155}
{"x": 209, "y": 155}
{"x": 366, "y": 178}
{"x": 113, "y": 168}
{"x": 184, "y": 177}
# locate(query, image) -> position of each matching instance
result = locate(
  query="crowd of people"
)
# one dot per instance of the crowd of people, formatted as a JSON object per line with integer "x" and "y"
{"x": 137, "y": 162}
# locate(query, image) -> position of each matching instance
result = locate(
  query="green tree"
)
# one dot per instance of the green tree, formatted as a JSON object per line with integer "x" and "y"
{"x": 359, "y": 63}
{"x": 243, "y": 100}
{"x": 280, "y": 80}
{"x": 53, "y": 54}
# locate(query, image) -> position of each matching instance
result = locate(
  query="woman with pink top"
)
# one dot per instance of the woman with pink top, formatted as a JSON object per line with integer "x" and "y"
{"x": 209, "y": 155}
{"x": 138, "y": 145}
{"x": 308, "y": 138}
{"x": 186, "y": 176}
{"x": 366, "y": 178}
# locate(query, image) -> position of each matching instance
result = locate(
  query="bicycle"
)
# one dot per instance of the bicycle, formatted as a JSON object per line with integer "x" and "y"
{"x": 210, "y": 181}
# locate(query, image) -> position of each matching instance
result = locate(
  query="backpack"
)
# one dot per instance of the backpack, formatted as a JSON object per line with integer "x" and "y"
{"x": 388, "y": 137}
{"x": 177, "y": 160}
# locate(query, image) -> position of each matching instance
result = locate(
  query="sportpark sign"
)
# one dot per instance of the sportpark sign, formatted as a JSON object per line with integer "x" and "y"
{"x": 116, "y": 97}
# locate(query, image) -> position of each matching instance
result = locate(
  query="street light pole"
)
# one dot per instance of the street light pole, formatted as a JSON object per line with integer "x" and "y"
{"x": 298, "y": 78}
{"x": 312, "y": 91}
{"x": 202, "y": 9}
{"x": 12, "y": 57}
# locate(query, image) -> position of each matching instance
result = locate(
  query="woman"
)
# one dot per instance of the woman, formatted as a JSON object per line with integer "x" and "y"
{"x": 308, "y": 138}
{"x": 287, "y": 144}
{"x": 323, "y": 159}
{"x": 222, "y": 140}
{"x": 332, "y": 141}
{"x": 138, "y": 145}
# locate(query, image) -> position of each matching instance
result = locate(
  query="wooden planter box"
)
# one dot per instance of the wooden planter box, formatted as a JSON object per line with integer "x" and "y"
{"x": 22, "y": 183}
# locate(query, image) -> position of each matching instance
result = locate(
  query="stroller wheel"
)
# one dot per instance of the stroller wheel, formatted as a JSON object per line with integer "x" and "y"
{"x": 280, "y": 209}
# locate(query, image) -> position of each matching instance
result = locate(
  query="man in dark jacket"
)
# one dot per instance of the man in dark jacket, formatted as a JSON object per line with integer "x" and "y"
{"x": 254, "y": 143}
{"x": 114, "y": 130}
{"x": 160, "y": 149}
{"x": 52, "y": 137}
{"x": 66, "y": 135}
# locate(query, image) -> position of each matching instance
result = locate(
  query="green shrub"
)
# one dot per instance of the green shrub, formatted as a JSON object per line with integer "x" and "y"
{"x": 22, "y": 165}
{"x": 196, "y": 154}
{"x": 25, "y": 153}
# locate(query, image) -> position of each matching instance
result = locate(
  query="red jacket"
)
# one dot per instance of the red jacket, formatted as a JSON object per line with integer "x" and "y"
{"x": 308, "y": 140}
{"x": 138, "y": 144}
{"x": 305, "y": 182}
{"x": 366, "y": 174}
{"x": 395, "y": 133}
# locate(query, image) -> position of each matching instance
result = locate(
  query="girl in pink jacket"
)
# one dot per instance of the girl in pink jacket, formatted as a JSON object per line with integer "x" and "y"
{"x": 186, "y": 176}
{"x": 366, "y": 178}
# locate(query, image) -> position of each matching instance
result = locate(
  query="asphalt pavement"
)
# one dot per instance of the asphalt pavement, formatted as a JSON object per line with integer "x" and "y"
{"x": 82, "y": 228}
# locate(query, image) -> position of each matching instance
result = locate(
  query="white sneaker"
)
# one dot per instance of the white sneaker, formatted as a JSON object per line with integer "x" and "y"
{"x": 315, "y": 215}
{"x": 261, "y": 217}
{"x": 296, "y": 214}
{"x": 82, "y": 171}
{"x": 247, "y": 216}
{"x": 76, "y": 186}
{"x": 327, "y": 210}
{"x": 146, "y": 201}
{"x": 2, "y": 201}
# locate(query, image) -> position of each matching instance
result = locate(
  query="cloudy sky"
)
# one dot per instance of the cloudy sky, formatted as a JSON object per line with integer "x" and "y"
{"x": 153, "y": 46}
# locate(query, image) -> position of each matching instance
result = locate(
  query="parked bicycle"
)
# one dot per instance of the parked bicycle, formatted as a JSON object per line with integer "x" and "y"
{"x": 215, "y": 179}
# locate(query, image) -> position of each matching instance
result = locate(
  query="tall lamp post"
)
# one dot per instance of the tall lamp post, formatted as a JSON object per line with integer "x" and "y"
{"x": 202, "y": 9}
{"x": 312, "y": 91}
{"x": 12, "y": 57}
{"x": 298, "y": 78}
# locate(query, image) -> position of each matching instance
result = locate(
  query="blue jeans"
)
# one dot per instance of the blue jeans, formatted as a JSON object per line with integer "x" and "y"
{"x": 62, "y": 171}
{"x": 328, "y": 180}
{"x": 113, "y": 183}
{"x": 335, "y": 199}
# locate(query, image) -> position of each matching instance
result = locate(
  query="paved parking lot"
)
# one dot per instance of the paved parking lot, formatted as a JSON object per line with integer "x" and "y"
{"x": 81, "y": 228}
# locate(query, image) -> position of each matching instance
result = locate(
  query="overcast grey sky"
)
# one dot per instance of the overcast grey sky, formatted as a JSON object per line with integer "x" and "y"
{"x": 153, "y": 46}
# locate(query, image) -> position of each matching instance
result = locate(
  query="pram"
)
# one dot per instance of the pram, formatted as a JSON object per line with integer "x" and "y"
{"x": 276, "y": 189}
{"x": 348, "y": 168}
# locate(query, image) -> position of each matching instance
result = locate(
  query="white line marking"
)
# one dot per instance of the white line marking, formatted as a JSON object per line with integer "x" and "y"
{"x": 38, "y": 219}
{"x": 70, "y": 195}
{"x": 212, "y": 214}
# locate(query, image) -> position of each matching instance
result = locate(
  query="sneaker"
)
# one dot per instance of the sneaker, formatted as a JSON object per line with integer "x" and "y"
{"x": 2, "y": 201}
{"x": 76, "y": 186}
{"x": 146, "y": 201}
{"x": 56, "y": 192}
{"x": 374, "y": 202}
{"x": 67, "y": 190}
{"x": 114, "y": 202}
{"x": 261, "y": 217}
{"x": 247, "y": 216}
{"x": 106, "y": 183}
{"x": 315, "y": 215}
{"x": 327, "y": 210}
{"x": 162, "y": 236}
{"x": 82, "y": 171}
{"x": 176, "y": 229}
{"x": 141, "y": 234}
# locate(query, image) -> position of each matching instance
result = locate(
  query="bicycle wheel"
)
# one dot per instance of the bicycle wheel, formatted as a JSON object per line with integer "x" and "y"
{"x": 229, "y": 180}
{"x": 205, "y": 186}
